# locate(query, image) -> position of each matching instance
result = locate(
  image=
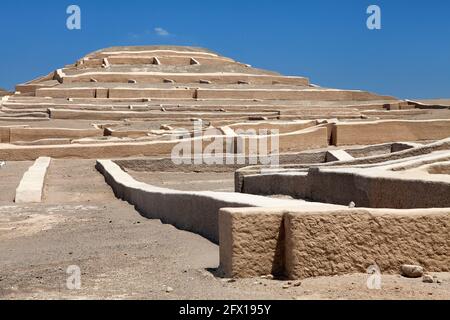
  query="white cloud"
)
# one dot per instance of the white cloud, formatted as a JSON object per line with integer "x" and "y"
{"x": 162, "y": 32}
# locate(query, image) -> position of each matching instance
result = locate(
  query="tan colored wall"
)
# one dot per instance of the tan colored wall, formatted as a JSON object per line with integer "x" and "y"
{"x": 291, "y": 184}
{"x": 185, "y": 78}
{"x": 152, "y": 93}
{"x": 251, "y": 244}
{"x": 310, "y": 94}
{"x": 192, "y": 211}
{"x": 156, "y": 114}
{"x": 306, "y": 242}
{"x": 194, "y": 54}
{"x": 282, "y": 127}
{"x": 31, "y": 187}
{"x": 378, "y": 189}
{"x": 310, "y": 138}
{"x": 6, "y": 130}
{"x": 103, "y": 150}
{"x": 342, "y": 242}
{"x": 365, "y": 133}
{"x": 166, "y": 60}
{"x": 66, "y": 93}
{"x": 4, "y": 134}
{"x": 33, "y": 134}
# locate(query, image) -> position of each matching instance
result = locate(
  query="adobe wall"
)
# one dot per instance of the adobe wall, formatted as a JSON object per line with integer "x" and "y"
{"x": 365, "y": 133}
{"x": 33, "y": 134}
{"x": 251, "y": 242}
{"x": 376, "y": 190}
{"x": 120, "y": 115}
{"x": 307, "y": 160}
{"x": 282, "y": 127}
{"x": 311, "y": 138}
{"x": 107, "y": 150}
{"x": 280, "y": 94}
{"x": 342, "y": 242}
{"x": 293, "y": 184}
{"x": 192, "y": 211}
{"x": 31, "y": 187}
{"x": 142, "y": 77}
{"x": 301, "y": 243}
{"x": 65, "y": 93}
{"x": 152, "y": 93}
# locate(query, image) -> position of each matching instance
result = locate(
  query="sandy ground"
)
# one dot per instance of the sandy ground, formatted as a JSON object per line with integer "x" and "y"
{"x": 10, "y": 176}
{"x": 202, "y": 181}
{"x": 122, "y": 255}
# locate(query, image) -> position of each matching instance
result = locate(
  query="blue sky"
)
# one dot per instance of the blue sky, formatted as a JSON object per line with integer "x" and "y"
{"x": 325, "y": 40}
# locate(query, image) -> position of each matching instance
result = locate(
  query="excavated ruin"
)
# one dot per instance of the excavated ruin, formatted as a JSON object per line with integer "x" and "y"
{"x": 353, "y": 179}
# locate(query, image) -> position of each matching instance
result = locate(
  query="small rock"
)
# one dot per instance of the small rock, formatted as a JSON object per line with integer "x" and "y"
{"x": 2, "y": 164}
{"x": 169, "y": 289}
{"x": 439, "y": 281}
{"x": 352, "y": 205}
{"x": 231, "y": 280}
{"x": 163, "y": 110}
{"x": 286, "y": 286}
{"x": 427, "y": 279}
{"x": 297, "y": 283}
{"x": 411, "y": 271}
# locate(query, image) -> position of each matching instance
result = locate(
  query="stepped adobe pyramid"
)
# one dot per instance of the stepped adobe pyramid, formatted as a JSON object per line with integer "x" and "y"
{"x": 126, "y": 95}
{"x": 187, "y": 75}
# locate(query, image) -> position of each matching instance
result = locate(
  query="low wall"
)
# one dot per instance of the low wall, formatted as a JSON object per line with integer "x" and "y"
{"x": 33, "y": 134}
{"x": 302, "y": 243}
{"x": 216, "y": 78}
{"x": 378, "y": 155}
{"x": 152, "y": 93}
{"x": 280, "y": 94}
{"x": 291, "y": 184}
{"x": 5, "y": 132}
{"x": 311, "y": 138}
{"x": 192, "y": 211}
{"x": 364, "y": 133}
{"x": 377, "y": 189}
{"x": 156, "y": 115}
{"x": 31, "y": 186}
{"x": 110, "y": 150}
{"x": 281, "y": 126}
{"x": 66, "y": 92}
{"x": 342, "y": 242}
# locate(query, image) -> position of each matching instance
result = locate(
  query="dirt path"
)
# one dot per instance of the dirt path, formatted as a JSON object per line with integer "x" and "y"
{"x": 122, "y": 255}
{"x": 10, "y": 176}
{"x": 205, "y": 181}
